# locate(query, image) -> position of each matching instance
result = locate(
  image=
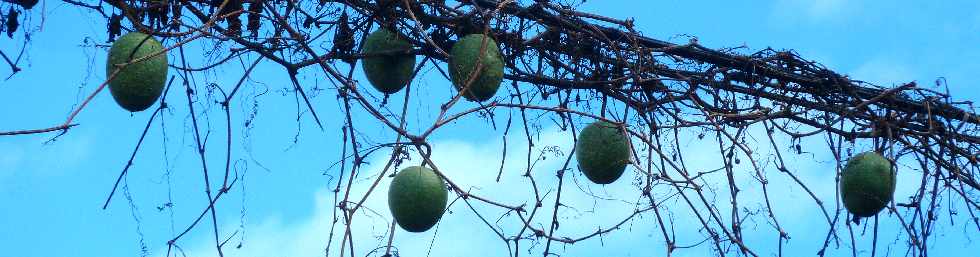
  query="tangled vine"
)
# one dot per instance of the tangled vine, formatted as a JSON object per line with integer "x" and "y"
{"x": 567, "y": 66}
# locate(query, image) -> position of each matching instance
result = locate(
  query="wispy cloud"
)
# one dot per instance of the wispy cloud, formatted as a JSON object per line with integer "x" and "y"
{"x": 475, "y": 165}
{"x": 56, "y": 157}
{"x": 816, "y": 10}
{"x": 884, "y": 71}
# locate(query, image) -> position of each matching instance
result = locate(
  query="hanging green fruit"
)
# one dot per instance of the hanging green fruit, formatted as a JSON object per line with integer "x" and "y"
{"x": 388, "y": 67}
{"x": 867, "y": 184}
{"x": 138, "y": 85}
{"x": 417, "y": 198}
{"x": 466, "y": 57}
{"x": 602, "y": 152}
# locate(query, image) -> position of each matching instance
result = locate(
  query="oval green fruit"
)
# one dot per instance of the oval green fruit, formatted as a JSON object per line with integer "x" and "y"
{"x": 387, "y": 69}
{"x": 867, "y": 184}
{"x": 417, "y": 198}
{"x": 602, "y": 152}
{"x": 138, "y": 85}
{"x": 464, "y": 61}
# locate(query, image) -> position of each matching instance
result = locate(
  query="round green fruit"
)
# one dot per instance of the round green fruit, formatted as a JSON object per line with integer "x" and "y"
{"x": 464, "y": 61}
{"x": 602, "y": 152}
{"x": 138, "y": 85}
{"x": 867, "y": 184}
{"x": 417, "y": 198}
{"x": 387, "y": 66}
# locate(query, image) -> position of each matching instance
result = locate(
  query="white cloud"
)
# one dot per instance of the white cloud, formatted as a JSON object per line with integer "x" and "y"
{"x": 884, "y": 71}
{"x": 814, "y": 10}
{"x": 54, "y": 158}
{"x": 474, "y": 165}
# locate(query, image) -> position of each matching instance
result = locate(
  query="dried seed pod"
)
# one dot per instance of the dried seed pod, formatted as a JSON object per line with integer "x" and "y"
{"x": 27, "y": 4}
{"x": 233, "y": 11}
{"x": 12, "y": 22}
{"x": 115, "y": 26}
{"x": 254, "y": 17}
{"x": 343, "y": 38}
{"x": 175, "y": 8}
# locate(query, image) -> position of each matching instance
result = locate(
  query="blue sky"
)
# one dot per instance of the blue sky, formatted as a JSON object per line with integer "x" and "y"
{"x": 51, "y": 193}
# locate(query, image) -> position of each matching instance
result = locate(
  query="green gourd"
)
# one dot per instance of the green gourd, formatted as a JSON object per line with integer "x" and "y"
{"x": 867, "y": 184}
{"x": 466, "y": 57}
{"x": 417, "y": 198}
{"x": 388, "y": 66}
{"x": 137, "y": 85}
{"x": 602, "y": 152}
